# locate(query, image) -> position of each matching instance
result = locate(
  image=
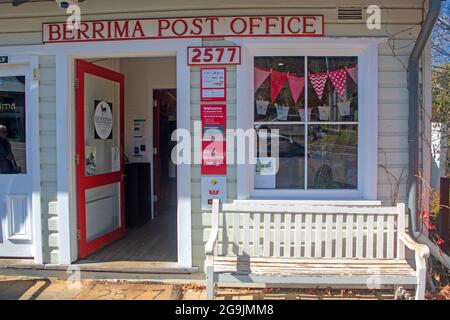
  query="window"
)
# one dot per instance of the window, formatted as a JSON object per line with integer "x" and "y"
{"x": 309, "y": 107}
{"x": 12, "y": 125}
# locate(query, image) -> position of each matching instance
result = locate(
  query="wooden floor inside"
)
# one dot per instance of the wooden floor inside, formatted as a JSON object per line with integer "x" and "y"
{"x": 156, "y": 241}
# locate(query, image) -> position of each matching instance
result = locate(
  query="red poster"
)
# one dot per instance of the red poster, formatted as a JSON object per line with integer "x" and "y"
{"x": 214, "y": 120}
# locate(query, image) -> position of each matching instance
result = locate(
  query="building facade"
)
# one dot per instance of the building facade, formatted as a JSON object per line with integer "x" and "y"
{"x": 333, "y": 87}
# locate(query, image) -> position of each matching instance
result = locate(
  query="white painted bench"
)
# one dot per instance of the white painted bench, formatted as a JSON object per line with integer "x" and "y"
{"x": 312, "y": 246}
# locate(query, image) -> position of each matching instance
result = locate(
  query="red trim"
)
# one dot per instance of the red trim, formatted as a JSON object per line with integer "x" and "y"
{"x": 190, "y": 36}
{"x": 87, "y": 182}
{"x": 224, "y": 99}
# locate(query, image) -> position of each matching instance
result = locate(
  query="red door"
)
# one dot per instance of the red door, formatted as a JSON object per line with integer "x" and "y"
{"x": 99, "y": 148}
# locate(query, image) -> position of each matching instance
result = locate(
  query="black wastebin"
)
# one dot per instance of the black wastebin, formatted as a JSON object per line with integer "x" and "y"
{"x": 138, "y": 194}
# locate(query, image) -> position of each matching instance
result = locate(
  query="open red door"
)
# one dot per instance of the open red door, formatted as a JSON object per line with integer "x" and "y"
{"x": 99, "y": 148}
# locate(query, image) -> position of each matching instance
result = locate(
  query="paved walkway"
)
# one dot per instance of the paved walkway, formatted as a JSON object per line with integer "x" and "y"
{"x": 26, "y": 288}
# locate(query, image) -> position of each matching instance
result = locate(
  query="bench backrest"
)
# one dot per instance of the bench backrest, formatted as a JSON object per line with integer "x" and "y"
{"x": 310, "y": 231}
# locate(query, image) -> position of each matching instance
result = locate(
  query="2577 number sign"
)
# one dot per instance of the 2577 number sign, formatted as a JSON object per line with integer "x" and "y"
{"x": 214, "y": 55}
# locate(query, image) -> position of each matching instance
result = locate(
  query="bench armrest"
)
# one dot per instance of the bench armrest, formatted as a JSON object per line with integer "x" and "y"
{"x": 211, "y": 244}
{"x": 421, "y": 249}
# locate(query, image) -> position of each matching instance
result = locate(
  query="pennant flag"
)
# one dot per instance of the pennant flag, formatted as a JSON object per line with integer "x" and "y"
{"x": 277, "y": 80}
{"x": 297, "y": 84}
{"x": 339, "y": 80}
{"x": 353, "y": 72}
{"x": 260, "y": 76}
{"x": 318, "y": 81}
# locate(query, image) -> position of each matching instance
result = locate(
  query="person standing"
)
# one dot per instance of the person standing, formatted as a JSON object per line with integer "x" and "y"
{"x": 6, "y": 155}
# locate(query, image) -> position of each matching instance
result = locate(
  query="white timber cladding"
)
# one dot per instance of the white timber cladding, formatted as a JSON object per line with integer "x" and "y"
{"x": 401, "y": 19}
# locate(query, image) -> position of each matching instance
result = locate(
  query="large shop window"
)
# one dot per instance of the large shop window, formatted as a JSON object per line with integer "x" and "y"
{"x": 12, "y": 125}
{"x": 309, "y": 105}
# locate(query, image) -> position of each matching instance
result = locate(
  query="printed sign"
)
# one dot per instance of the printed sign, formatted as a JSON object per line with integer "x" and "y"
{"x": 214, "y": 120}
{"x": 214, "y": 55}
{"x": 195, "y": 27}
{"x": 3, "y": 59}
{"x": 266, "y": 171}
{"x": 213, "y": 188}
{"x": 213, "y": 84}
{"x": 103, "y": 120}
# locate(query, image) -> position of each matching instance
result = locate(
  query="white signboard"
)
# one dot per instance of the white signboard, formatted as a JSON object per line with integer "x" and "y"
{"x": 103, "y": 120}
{"x": 213, "y": 187}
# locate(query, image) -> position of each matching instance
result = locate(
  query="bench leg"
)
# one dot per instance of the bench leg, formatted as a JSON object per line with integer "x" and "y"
{"x": 421, "y": 270}
{"x": 210, "y": 285}
{"x": 420, "y": 291}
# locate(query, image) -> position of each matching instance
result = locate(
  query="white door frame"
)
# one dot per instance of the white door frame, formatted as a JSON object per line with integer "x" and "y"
{"x": 65, "y": 56}
{"x": 28, "y": 65}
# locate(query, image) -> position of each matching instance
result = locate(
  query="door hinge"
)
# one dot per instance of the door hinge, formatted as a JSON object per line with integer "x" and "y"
{"x": 78, "y": 234}
{"x": 36, "y": 74}
{"x": 77, "y": 159}
{"x": 155, "y": 151}
{"x": 76, "y": 83}
{"x": 155, "y": 103}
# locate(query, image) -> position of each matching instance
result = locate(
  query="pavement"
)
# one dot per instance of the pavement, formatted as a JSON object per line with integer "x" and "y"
{"x": 27, "y": 288}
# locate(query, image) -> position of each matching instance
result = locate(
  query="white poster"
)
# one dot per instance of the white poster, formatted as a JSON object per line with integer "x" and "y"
{"x": 103, "y": 120}
{"x": 138, "y": 128}
{"x": 266, "y": 173}
{"x": 115, "y": 157}
{"x": 213, "y": 187}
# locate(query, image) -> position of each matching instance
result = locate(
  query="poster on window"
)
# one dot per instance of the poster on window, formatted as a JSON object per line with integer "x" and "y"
{"x": 213, "y": 187}
{"x": 103, "y": 120}
{"x": 13, "y": 145}
{"x": 213, "y": 139}
{"x": 266, "y": 172}
{"x": 213, "y": 84}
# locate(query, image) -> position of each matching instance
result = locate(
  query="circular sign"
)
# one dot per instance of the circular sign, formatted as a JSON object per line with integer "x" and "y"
{"x": 103, "y": 120}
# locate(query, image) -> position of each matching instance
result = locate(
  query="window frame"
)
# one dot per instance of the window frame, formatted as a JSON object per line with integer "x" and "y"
{"x": 366, "y": 50}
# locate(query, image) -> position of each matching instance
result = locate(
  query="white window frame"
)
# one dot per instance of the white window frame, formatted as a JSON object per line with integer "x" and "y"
{"x": 366, "y": 49}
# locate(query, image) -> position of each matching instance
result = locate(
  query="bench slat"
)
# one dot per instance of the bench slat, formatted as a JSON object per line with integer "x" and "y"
{"x": 236, "y": 233}
{"x": 390, "y": 237}
{"x": 329, "y": 236}
{"x": 298, "y": 235}
{"x": 318, "y": 241}
{"x": 400, "y": 229}
{"x": 380, "y": 237}
{"x": 349, "y": 237}
{"x": 287, "y": 236}
{"x": 246, "y": 233}
{"x": 339, "y": 233}
{"x": 256, "y": 230}
{"x": 266, "y": 235}
{"x": 277, "y": 235}
{"x": 359, "y": 235}
{"x": 308, "y": 235}
{"x": 369, "y": 248}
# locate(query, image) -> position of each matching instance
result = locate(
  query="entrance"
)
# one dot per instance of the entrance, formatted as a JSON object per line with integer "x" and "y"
{"x": 127, "y": 196}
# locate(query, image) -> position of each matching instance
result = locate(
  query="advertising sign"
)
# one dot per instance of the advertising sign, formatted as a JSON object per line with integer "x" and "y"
{"x": 213, "y": 188}
{"x": 214, "y": 120}
{"x": 213, "y": 84}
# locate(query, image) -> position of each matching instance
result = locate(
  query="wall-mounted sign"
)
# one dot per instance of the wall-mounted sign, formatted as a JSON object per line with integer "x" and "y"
{"x": 103, "y": 120}
{"x": 214, "y": 55}
{"x": 213, "y": 84}
{"x": 213, "y": 188}
{"x": 214, "y": 121}
{"x": 8, "y": 104}
{"x": 195, "y": 27}
{"x": 3, "y": 59}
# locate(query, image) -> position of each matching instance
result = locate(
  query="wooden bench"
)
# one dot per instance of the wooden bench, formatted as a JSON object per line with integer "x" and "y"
{"x": 312, "y": 246}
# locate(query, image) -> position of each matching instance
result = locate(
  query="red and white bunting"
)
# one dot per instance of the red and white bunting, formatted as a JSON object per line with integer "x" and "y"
{"x": 318, "y": 81}
{"x": 339, "y": 80}
{"x": 277, "y": 80}
{"x": 260, "y": 76}
{"x": 353, "y": 72}
{"x": 296, "y": 84}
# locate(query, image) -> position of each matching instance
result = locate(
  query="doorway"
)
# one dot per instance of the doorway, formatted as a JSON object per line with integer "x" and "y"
{"x": 116, "y": 187}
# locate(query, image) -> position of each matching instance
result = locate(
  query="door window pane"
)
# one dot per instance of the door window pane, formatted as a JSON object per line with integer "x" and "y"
{"x": 101, "y": 125}
{"x": 12, "y": 125}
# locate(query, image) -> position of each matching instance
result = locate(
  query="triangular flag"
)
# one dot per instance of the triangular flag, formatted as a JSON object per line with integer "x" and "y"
{"x": 318, "y": 81}
{"x": 260, "y": 76}
{"x": 277, "y": 80}
{"x": 353, "y": 72}
{"x": 339, "y": 80}
{"x": 297, "y": 84}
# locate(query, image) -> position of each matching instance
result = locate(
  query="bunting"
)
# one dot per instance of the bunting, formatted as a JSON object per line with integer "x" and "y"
{"x": 296, "y": 84}
{"x": 339, "y": 80}
{"x": 277, "y": 81}
{"x": 260, "y": 76}
{"x": 353, "y": 72}
{"x": 318, "y": 81}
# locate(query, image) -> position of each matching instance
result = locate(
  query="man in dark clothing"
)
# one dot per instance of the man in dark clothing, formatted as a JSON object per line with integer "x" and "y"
{"x": 6, "y": 155}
